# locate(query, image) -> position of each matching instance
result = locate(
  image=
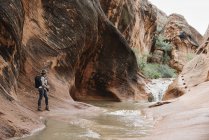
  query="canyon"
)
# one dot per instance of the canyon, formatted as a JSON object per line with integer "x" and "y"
{"x": 91, "y": 50}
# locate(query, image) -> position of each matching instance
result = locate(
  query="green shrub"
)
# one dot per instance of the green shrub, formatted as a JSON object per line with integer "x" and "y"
{"x": 166, "y": 58}
{"x": 165, "y": 46}
{"x": 154, "y": 71}
{"x": 166, "y": 71}
{"x": 160, "y": 42}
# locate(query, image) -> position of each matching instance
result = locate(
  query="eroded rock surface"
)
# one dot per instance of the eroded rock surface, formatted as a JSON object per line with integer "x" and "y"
{"x": 87, "y": 58}
{"x": 136, "y": 20}
{"x": 184, "y": 41}
{"x": 82, "y": 45}
{"x": 194, "y": 73}
{"x": 73, "y": 40}
{"x": 76, "y": 41}
{"x": 11, "y": 25}
{"x": 141, "y": 23}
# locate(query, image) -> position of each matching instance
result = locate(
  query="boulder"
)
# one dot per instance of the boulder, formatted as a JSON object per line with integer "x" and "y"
{"x": 157, "y": 56}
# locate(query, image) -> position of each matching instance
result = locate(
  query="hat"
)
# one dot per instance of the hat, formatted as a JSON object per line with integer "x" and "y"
{"x": 43, "y": 71}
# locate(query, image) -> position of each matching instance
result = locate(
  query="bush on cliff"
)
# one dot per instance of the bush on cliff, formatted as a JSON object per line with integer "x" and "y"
{"x": 153, "y": 70}
{"x": 165, "y": 46}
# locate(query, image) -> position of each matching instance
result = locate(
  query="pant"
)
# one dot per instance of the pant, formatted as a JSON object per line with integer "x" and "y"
{"x": 42, "y": 92}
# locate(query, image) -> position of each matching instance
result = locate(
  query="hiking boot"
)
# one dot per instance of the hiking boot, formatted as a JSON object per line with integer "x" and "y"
{"x": 39, "y": 109}
{"x": 47, "y": 108}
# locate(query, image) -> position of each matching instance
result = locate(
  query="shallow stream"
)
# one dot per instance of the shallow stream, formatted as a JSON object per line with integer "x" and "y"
{"x": 119, "y": 120}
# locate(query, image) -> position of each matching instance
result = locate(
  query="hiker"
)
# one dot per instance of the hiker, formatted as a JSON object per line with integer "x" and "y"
{"x": 43, "y": 88}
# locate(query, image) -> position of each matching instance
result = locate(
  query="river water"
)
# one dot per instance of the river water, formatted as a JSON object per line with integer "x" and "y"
{"x": 119, "y": 120}
{"x": 158, "y": 87}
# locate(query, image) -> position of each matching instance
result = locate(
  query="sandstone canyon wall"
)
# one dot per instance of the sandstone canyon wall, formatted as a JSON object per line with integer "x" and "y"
{"x": 75, "y": 42}
{"x": 183, "y": 38}
{"x": 11, "y": 25}
{"x": 194, "y": 72}
{"x": 141, "y": 23}
{"x": 86, "y": 48}
{"x": 136, "y": 20}
{"x": 14, "y": 118}
{"x": 204, "y": 43}
{"x": 188, "y": 113}
{"x": 87, "y": 58}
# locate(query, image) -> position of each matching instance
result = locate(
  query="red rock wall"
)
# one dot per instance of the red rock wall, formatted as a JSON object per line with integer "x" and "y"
{"x": 75, "y": 42}
{"x": 136, "y": 20}
{"x": 183, "y": 37}
{"x": 87, "y": 58}
{"x": 11, "y": 25}
{"x": 140, "y": 22}
{"x": 194, "y": 73}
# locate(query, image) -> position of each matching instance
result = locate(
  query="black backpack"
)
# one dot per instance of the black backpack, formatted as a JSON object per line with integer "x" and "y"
{"x": 38, "y": 82}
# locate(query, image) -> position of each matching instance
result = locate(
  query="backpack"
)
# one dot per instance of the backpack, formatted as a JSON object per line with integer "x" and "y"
{"x": 38, "y": 82}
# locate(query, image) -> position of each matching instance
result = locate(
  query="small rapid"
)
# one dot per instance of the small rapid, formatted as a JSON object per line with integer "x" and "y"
{"x": 157, "y": 87}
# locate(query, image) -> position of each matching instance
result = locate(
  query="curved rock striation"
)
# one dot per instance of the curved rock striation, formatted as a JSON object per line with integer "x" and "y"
{"x": 137, "y": 21}
{"x": 15, "y": 120}
{"x": 73, "y": 40}
{"x": 85, "y": 55}
{"x": 11, "y": 25}
{"x": 76, "y": 41}
{"x": 142, "y": 23}
{"x": 82, "y": 45}
{"x": 87, "y": 58}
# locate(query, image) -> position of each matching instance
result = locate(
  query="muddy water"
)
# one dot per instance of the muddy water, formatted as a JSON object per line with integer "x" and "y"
{"x": 117, "y": 121}
{"x": 124, "y": 120}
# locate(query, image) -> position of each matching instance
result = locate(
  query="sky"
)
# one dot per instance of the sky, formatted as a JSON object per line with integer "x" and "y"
{"x": 196, "y": 12}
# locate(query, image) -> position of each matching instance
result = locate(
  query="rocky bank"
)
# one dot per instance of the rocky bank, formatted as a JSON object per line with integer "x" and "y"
{"x": 187, "y": 117}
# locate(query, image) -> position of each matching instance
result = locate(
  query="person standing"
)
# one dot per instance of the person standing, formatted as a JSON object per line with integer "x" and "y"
{"x": 43, "y": 88}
